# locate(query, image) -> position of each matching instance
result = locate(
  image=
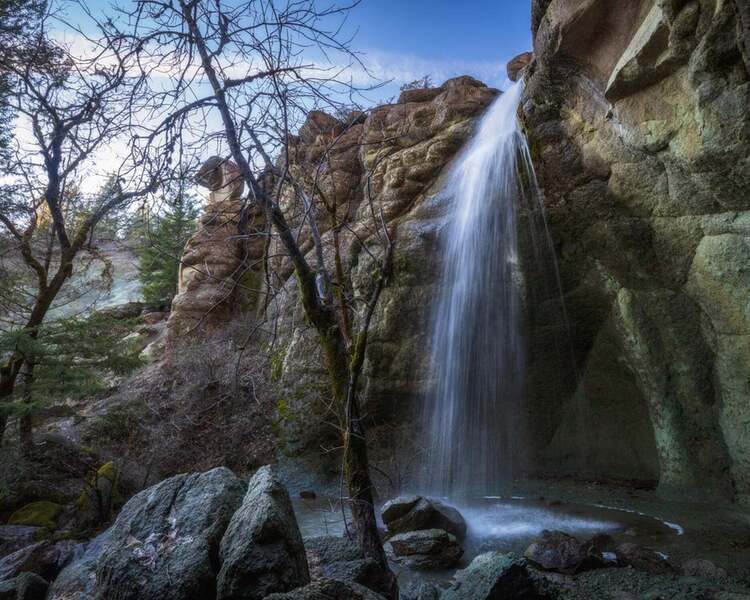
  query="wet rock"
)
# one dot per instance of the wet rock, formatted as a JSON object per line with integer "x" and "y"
{"x": 643, "y": 559}
{"x": 27, "y": 586}
{"x": 328, "y": 589}
{"x": 425, "y": 549}
{"x": 77, "y": 581}
{"x": 557, "y": 551}
{"x": 44, "y": 558}
{"x": 697, "y": 567}
{"x": 164, "y": 543}
{"x": 494, "y": 575}
{"x": 262, "y": 551}
{"x": 398, "y": 507}
{"x": 15, "y": 537}
{"x": 328, "y": 549}
{"x": 422, "y": 514}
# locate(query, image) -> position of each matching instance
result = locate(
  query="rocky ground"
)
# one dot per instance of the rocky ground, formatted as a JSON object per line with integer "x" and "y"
{"x": 212, "y": 536}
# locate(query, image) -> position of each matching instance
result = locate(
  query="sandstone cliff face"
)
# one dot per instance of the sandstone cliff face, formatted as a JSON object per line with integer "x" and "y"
{"x": 638, "y": 117}
{"x": 393, "y": 156}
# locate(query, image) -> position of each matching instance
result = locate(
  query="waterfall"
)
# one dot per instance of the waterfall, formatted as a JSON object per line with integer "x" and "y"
{"x": 472, "y": 415}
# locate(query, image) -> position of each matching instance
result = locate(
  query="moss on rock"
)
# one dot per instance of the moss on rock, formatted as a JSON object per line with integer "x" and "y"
{"x": 42, "y": 513}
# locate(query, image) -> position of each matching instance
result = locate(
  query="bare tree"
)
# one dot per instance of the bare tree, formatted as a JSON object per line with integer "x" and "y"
{"x": 70, "y": 108}
{"x": 241, "y": 78}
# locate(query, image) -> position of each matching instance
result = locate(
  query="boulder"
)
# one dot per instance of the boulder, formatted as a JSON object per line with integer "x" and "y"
{"x": 425, "y": 549}
{"x": 563, "y": 553}
{"x": 419, "y": 591}
{"x": 262, "y": 551}
{"x": 494, "y": 575}
{"x": 341, "y": 559}
{"x": 44, "y": 558}
{"x": 77, "y": 581}
{"x": 398, "y": 507}
{"x": 643, "y": 559}
{"x": 15, "y": 537}
{"x": 27, "y": 586}
{"x": 328, "y": 589}
{"x": 402, "y": 515}
{"x": 164, "y": 543}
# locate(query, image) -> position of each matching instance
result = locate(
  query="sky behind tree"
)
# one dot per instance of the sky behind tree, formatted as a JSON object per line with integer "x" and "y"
{"x": 398, "y": 41}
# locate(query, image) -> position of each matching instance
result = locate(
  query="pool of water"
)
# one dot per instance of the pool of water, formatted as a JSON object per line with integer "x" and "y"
{"x": 509, "y": 524}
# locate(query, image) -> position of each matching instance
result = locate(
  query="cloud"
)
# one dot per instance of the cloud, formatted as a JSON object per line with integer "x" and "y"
{"x": 404, "y": 68}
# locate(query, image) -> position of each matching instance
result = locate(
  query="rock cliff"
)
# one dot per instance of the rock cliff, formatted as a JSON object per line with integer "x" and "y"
{"x": 638, "y": 118}
{"x": 216, "y": 257}
{"x": 394, "y": 156}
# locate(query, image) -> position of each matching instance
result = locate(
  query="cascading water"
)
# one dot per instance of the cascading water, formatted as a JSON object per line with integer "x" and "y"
{"x": 471, "y": 422}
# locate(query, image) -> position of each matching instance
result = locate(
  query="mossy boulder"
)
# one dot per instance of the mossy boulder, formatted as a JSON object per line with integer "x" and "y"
{"x": 42, "y": 513}
{"x": 96, "y": 501}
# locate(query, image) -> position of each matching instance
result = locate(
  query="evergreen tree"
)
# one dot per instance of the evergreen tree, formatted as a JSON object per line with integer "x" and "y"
{"x": 164, "y": 238}
{"x": 72, "y": 358}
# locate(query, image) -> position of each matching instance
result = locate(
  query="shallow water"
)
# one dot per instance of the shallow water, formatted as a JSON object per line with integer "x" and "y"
{"x": 508, "y": 524}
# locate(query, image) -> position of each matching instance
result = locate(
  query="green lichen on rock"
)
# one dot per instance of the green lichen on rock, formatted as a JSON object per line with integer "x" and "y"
{"x": 107, "y": 471}
{"x": 42, "y": 513}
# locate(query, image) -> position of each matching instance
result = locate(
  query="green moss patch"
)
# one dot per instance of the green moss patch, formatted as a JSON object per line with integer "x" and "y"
{"x": 38, "y": 514}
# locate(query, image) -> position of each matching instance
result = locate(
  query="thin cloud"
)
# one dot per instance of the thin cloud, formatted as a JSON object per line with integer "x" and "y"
{"x": 404, "y": 68}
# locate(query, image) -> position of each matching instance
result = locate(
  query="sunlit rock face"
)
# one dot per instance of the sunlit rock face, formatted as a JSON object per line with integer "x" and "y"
{"x": 394, "y": 155}
{"x": 637, "y": 113}
{"x": 214, "y": 259}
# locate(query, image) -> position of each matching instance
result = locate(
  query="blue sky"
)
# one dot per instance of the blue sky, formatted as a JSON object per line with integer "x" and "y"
{"x": 443, "y": 38}
{"x": 399, "y": 41}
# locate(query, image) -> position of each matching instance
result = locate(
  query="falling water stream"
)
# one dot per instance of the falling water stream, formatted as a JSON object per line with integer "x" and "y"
{"x": 472, "y": 416}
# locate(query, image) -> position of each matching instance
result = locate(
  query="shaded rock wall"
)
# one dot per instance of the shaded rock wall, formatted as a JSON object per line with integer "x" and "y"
{"x": 638, "y": 117}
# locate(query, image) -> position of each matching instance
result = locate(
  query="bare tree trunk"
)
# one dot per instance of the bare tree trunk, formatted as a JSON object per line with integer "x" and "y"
{"x": 357, "y": 470}
{"x": 8, "y": 376}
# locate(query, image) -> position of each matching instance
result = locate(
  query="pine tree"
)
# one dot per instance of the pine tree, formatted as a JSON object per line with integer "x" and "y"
{"x": 164, "y": 239}
{"x": 71, "y": 359}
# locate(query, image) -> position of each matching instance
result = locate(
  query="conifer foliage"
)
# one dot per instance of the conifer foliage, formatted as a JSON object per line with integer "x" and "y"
{"x": 164, "y": 237}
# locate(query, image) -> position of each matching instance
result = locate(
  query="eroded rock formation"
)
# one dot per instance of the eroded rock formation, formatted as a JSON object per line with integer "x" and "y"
{"x": 639, "y": 129}
{"x": 216, "y": 257}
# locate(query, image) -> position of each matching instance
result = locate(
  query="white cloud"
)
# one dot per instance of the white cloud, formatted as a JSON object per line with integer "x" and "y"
{"x": 404, "y": 68}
